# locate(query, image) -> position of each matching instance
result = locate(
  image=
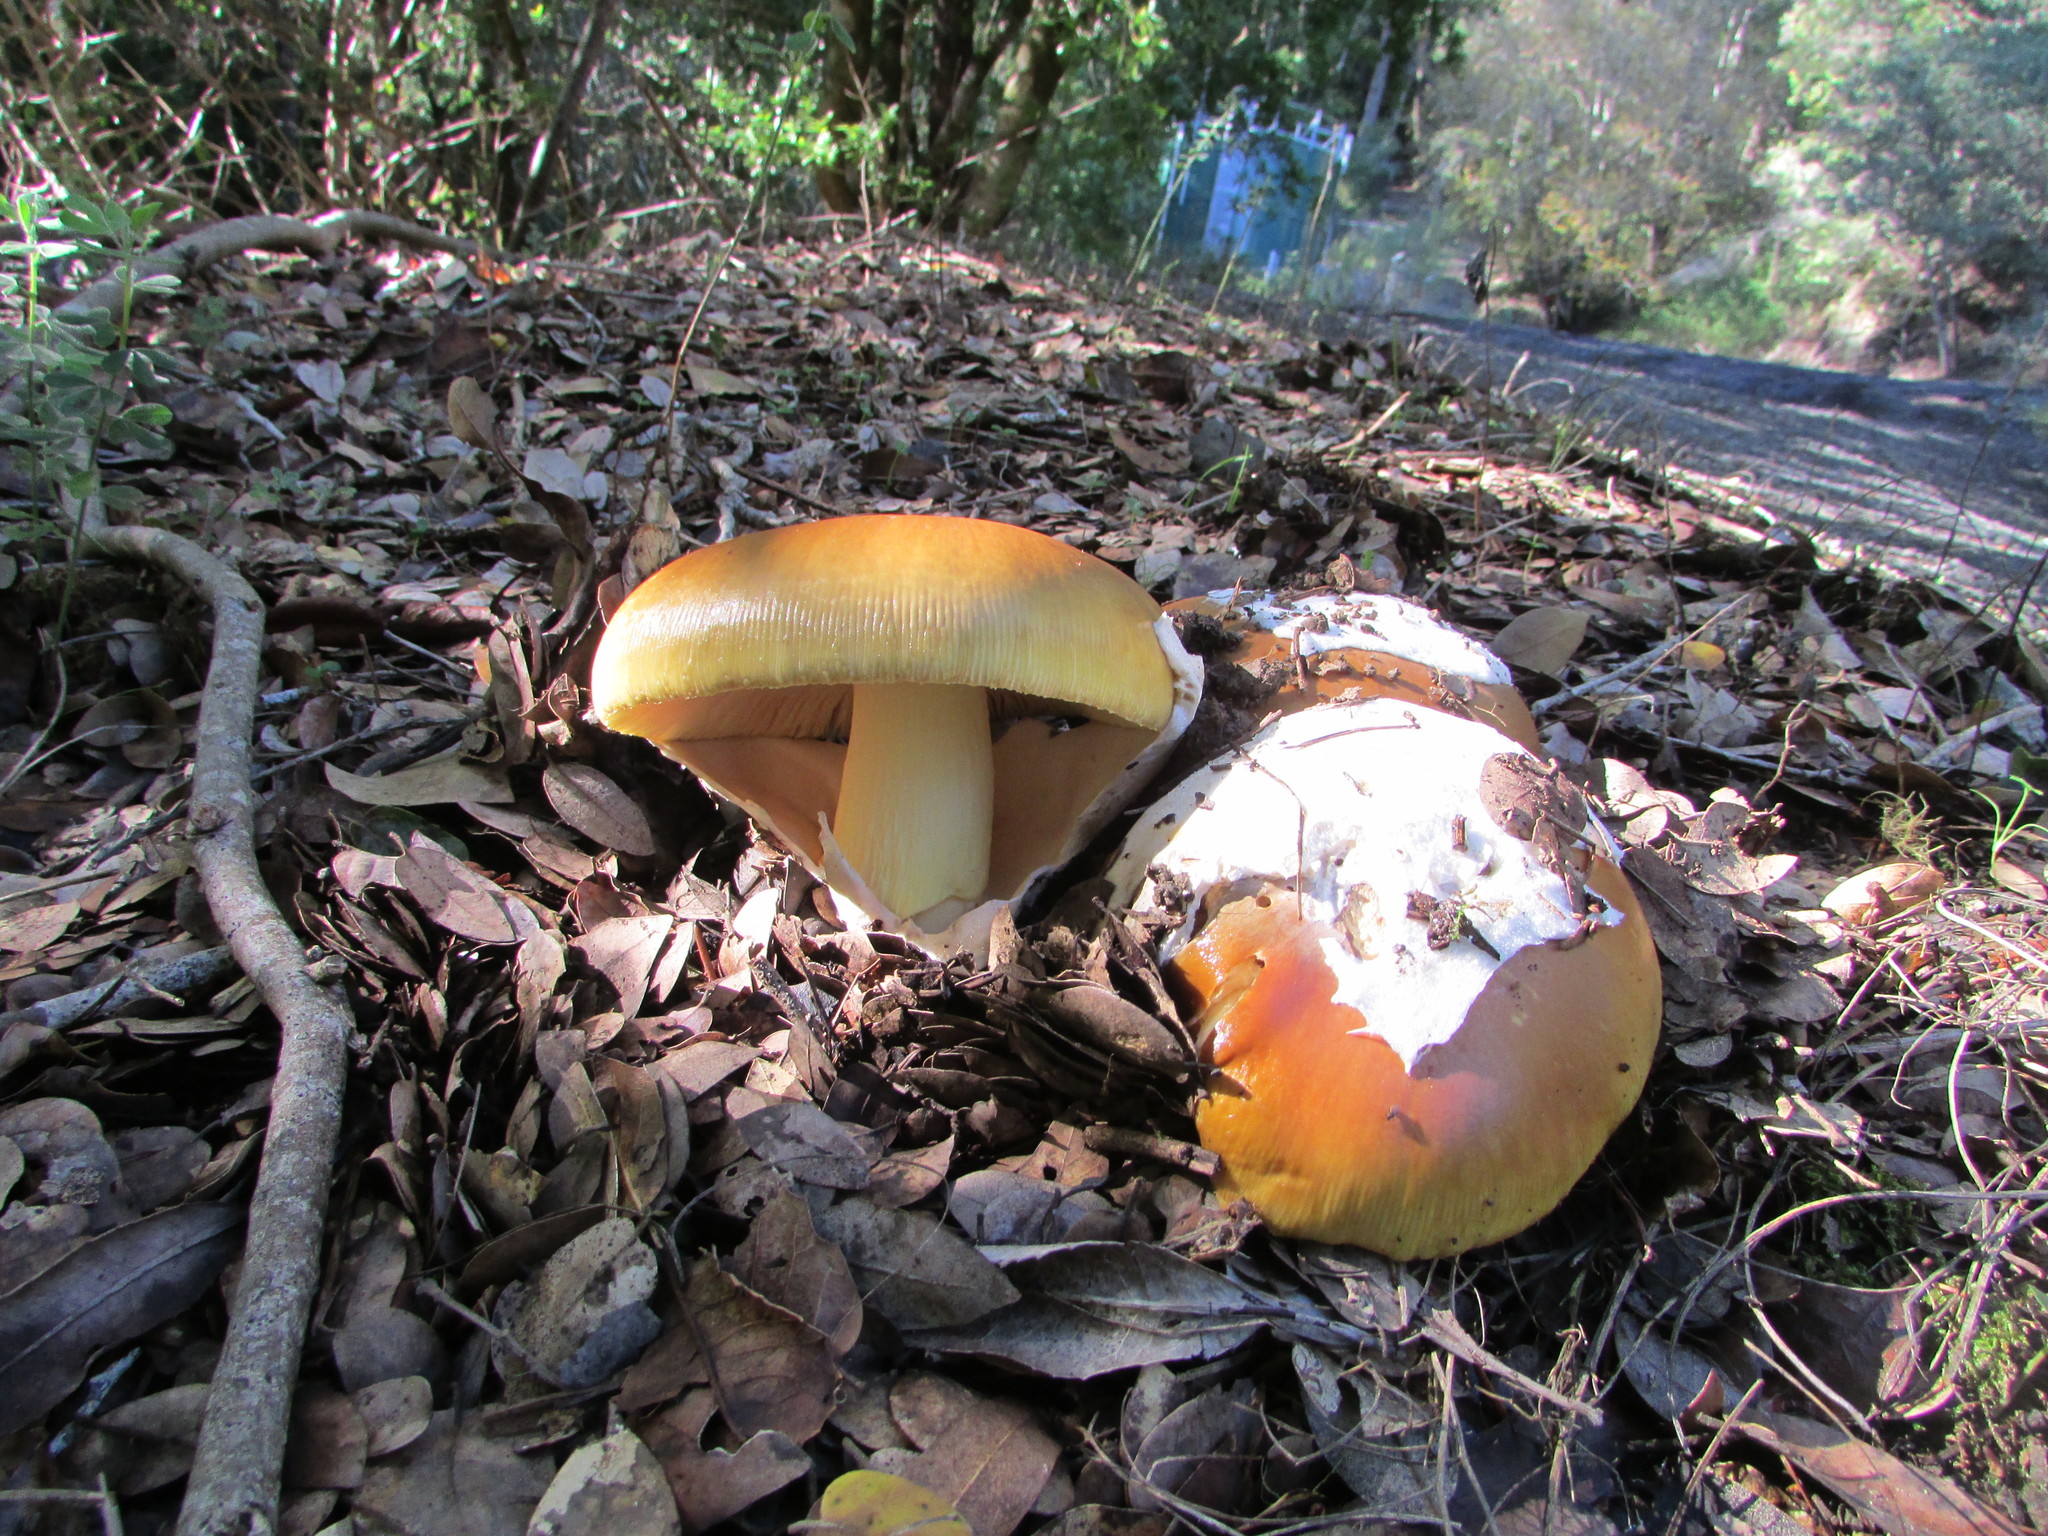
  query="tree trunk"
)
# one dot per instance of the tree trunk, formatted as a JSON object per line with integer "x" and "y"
{"x": 1027, "y": 102}
{"x": 541, "y": 169}
{"x": 1376, "y": 88}
{"x": 953, "y": 127}
{"x": 845, "y": 95}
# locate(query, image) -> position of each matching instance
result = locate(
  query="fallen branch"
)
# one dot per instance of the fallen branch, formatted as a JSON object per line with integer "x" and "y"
{"x": 240, "y": 1455}
{"x": 187, "y": 256}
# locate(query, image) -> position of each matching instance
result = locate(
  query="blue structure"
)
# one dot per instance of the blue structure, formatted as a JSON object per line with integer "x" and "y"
{"x": 1251, "y": 188}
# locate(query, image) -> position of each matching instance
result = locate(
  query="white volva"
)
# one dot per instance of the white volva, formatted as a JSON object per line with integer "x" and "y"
{"x": 1355, "y": 807}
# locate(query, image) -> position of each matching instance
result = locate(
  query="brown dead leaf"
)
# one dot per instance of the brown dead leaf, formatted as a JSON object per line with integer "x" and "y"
{"x": 624, "y": 950}
{"x": 770, "y": 1368}
{"x": 807, "y": 1144}
{"x": 395, "y": 1413}
{"x": 785, "y": 1260}
{"x": 591, "y": 803}
{"x": 104, "y": 1292}
{"x": 38, "y": 928}
{"x": 710, "y": 1486}
{"x": 461, "y": 898}
{"x": 1204, "y": 1451}
{"x": 472, "y": 415}
{"x": 989, "y": 1462}
{"x": 454, "y": 1480}
{"x": 329, "y": 1441}
{"x": 904, "y": 1178}
{"x": 584, "y": 1317}
{"x": 1876, "y": 895}
{"x": 1895, "y": 1494}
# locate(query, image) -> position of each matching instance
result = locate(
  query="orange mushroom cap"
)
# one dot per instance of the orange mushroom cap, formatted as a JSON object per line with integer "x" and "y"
{"x": 1426, "y": 989}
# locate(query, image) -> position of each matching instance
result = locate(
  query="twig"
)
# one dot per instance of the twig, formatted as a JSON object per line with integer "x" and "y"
{"x": 236, "y": 1467}
{"x": 189, "y": 255}
{"x": 1629, "y": 669}
{"x": 1122, "y": 1141}
{"x": 484, "y": 1325}
{"x": 786, "y": 490}
{"x": 176, "y": 977}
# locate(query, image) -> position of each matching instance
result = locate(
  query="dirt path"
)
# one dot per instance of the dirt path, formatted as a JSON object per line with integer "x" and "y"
{"x": 1945, "y": 480}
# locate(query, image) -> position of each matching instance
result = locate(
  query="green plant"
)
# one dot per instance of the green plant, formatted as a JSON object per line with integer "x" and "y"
{"x": 2015, "y": 818}
{"x": 68, "y": 381}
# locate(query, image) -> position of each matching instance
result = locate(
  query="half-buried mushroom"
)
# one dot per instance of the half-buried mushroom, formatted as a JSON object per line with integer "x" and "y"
{"x": 1320, "y": 647}
{"x": 1426, "y": 990}
{"x": 931, "y": 712}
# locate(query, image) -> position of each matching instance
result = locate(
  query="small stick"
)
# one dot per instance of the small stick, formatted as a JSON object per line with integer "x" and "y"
{"x": 1119, "y": 1141}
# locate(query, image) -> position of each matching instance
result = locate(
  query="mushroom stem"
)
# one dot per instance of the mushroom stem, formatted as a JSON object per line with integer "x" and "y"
{"x": 918, "y": 793}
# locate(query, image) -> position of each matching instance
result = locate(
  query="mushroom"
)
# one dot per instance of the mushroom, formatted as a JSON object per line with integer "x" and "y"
{"x": 1317, "y": 647}
{"x": 932, "y": 712}
{"x": 1424, "y": 988}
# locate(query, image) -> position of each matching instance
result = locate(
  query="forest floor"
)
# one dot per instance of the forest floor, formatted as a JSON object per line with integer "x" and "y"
{"x": 663, "y": 1201}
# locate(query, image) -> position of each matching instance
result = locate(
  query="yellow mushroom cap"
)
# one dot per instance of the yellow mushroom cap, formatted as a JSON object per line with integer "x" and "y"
{"x": 881, "y": 598}
{"x": 932, "y": 712}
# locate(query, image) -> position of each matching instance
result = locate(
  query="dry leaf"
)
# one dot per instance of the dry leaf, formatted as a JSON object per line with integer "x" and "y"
{"x": 623, "y": 950}
{"x": 472, "y": 415}
{"x": 881, "y": 1504}
{"x": 439, "y": 782}
{"x": 710, "y": 1486}
{"x": 1896, "y": 1495}
{"x": 913, "y": 1271}
{"x": 1542, "y": 640}
{"x": 104, "y": 1292}
{"x": 989, "y": 1462}
{"x": 807, "y": 1144}
{"x": 454, "y": 1480}
{"x": 598, "y": 808}
{"x": 395, "y": 1412}
{"x": 460, "y": 897}
{"x": 611, "y": 1487}
{"x": 771, "y": 1369}
{"x": 785, "y": 1260}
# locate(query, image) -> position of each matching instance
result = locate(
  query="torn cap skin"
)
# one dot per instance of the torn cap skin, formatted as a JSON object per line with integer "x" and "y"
{"x": 1425, "y": 989}
{"x": 932, "y": 712}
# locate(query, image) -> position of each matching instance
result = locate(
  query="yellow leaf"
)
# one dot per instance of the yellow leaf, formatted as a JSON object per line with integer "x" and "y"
{"x": 883, "y": 1504}
{"x": 716, "y": 381}
{"x": 1701, "y": 656}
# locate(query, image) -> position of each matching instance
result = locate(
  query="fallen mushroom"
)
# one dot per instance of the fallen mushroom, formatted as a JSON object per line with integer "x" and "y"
{"x": 1319, "y": 647}
{"x": 932, "y": 712}
{"x": 1425, "y": 989}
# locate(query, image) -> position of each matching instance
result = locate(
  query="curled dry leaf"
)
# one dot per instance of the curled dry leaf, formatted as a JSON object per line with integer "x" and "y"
{"x": 591, "y": 803}
{"x": 395, "y": 1413}
{"x": 624, "y": 950}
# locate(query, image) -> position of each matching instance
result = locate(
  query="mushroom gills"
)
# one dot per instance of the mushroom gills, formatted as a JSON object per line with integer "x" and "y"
{"x": 917, "y": 796}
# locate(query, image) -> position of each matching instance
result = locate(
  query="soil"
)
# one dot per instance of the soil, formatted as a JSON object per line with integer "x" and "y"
{"x": 1943, "y": 480}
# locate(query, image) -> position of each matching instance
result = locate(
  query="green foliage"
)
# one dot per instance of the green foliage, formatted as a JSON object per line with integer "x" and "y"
{"x": 1931, "y": 117}
{"x": 1601, "y": 145}
{"x": 70, "y": 381}
{"x": 1736, "y": 316}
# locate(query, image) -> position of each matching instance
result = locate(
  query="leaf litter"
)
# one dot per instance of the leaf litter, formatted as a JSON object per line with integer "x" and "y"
{"x": 673, "y": 1207}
